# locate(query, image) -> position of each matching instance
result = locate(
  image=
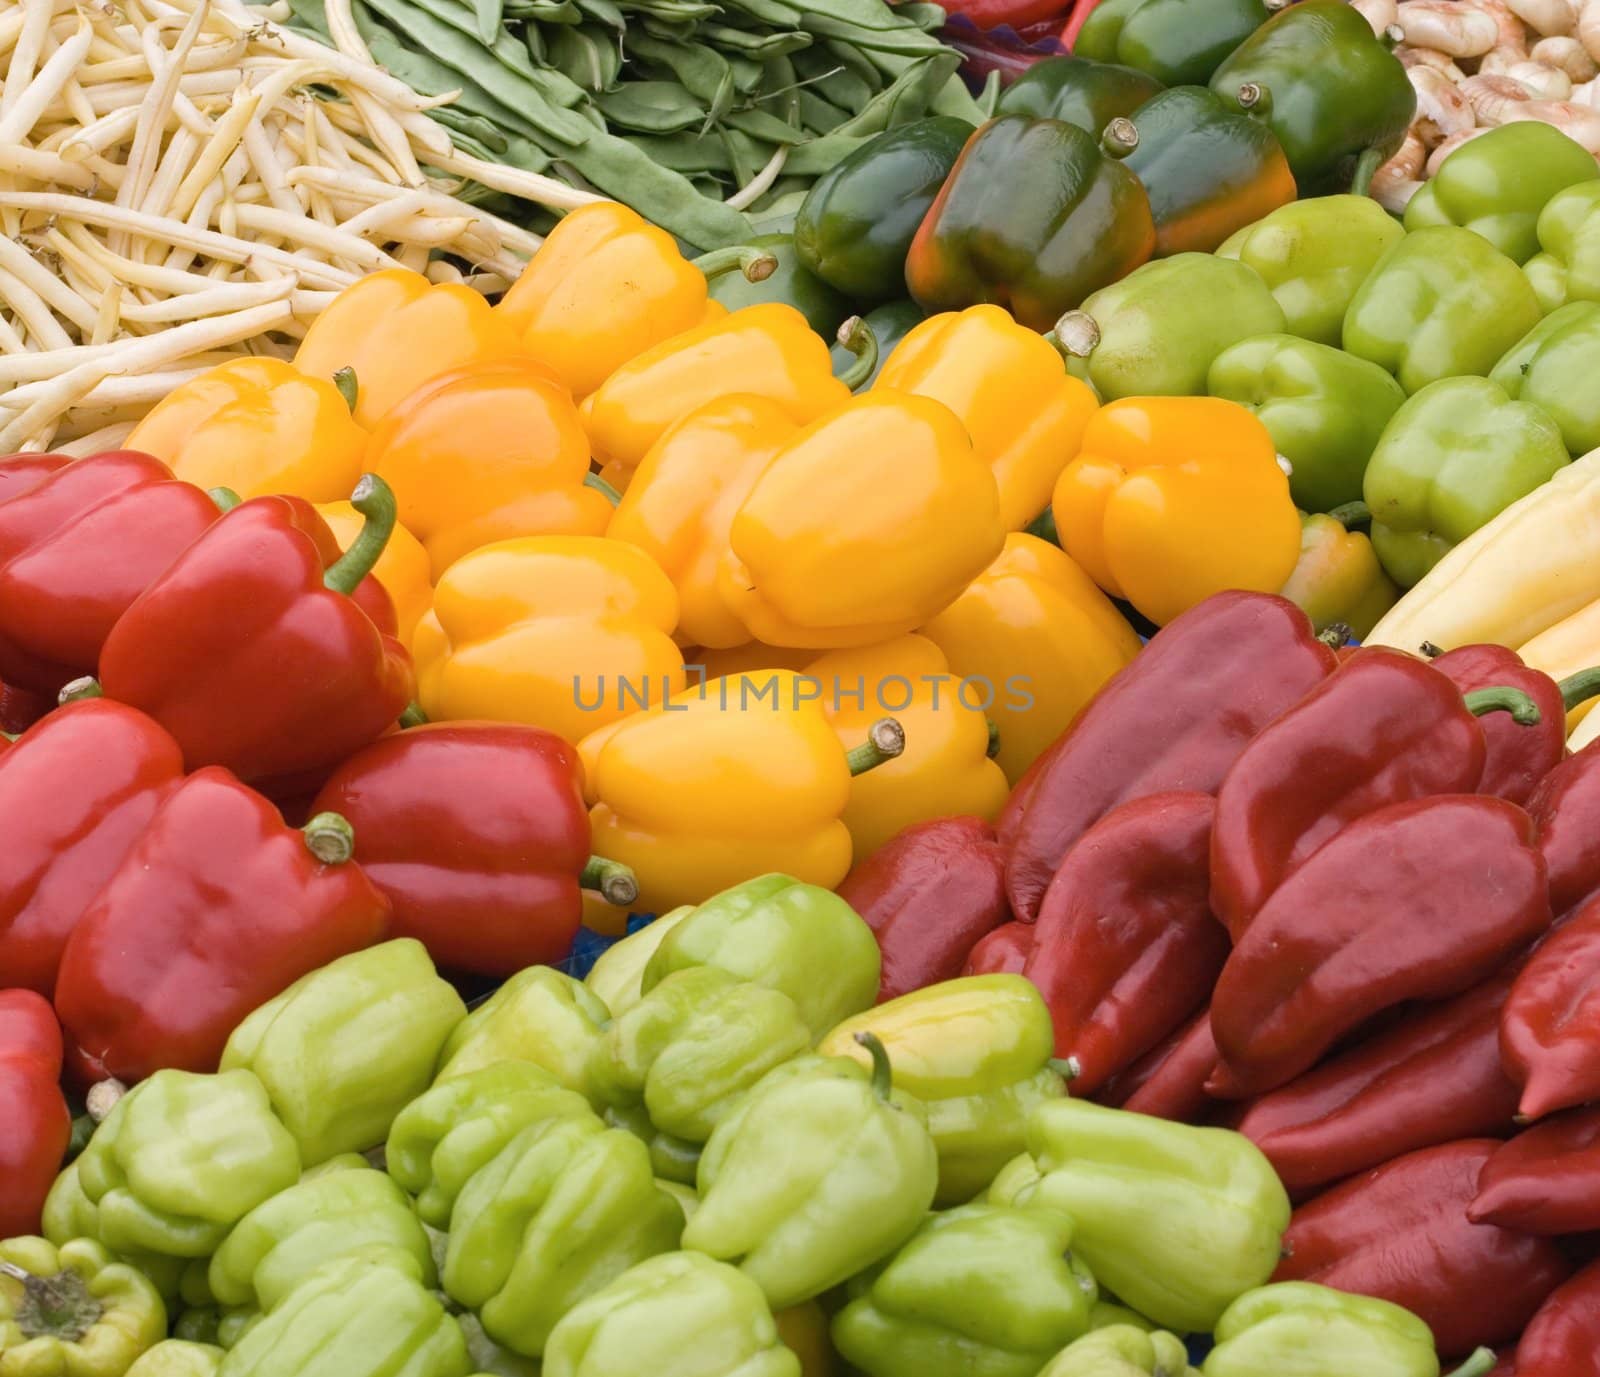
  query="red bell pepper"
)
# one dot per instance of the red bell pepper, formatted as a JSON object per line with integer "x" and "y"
{"x": 929, "y": 896}
{"x": 20, "y": 709}
{"x": 250, "y": 649}
{"x": 76, "y": 792}
{"x": 1169, "y": 1082}
{"x": 217, "y": 908}
{"x": 1550, "y": 1029}
{"x": 37, "y": 1124}
{"x": 1383, "y": 728}
{"x": 1176, "y": 718}
{"x": 20, "y": 473}
{"x": 1563, "y": 1339}
{"x": 1401, "y": 1233}
{"x": 76, "y": 548}
{"x": 1004, "y": 950}
{"x": 1419, "y": 900}
{"x": 478, "y": 834}
{"x": 1566, "y": 809}
{"x": 1546, "y": 1180}
{"x": 1433, "y": 1077}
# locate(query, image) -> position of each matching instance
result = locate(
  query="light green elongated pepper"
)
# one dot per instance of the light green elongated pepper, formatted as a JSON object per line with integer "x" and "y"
{"x": 1568, "y": 266}
{"x": 346, "y": 1048}
{"x": 680, "y": 1314}
{"x": 1176, "y": 1221}
{"x": 539, "y": 1015}
{"x": 1156, "y": 332}
{"x": 1123, "y": 1350}
{"x": 1441, "y": 303}
{"x": 1554, "y": 366}
{"x": 815, "y": 1175}
{"x": 775, "y": 931}
{"x": 617, "y": 976}
{"x": 1299, "y": 1327}
{"x": 181, "y": 1158}
{"x": 983, "y": 1291}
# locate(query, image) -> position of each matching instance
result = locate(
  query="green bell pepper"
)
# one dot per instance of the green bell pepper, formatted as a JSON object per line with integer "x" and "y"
{"x": 1314, "y": 255}
{"x": 976, "y": 1052}
{"x": 1123, "y": 1351}
{"x": 541, "y": 1016}
{"x": 72, "y": 1310}
{"x": 1176, "y": 41}
{"x": 800, "y": 939}
{"x": 1157, "y": 332}
{"x": 566, "y": 1207}
{"x": 1554, "y": 366}
{"x": 692, "y": 1046}
{"x": 791, "y": 282}
{"x": 70, "y": 1214}
{"x": 1328, "y": 87}
{"x": 1176, "y": 1221}
{"x": 1497, "y": 183}
{"x": 1308, "y": 1329}
{"x": 1324, "y": 408}
{"x": 855, "y": 226}
{"x": 889, "y": 323}
{"x": 1087, "y": 94}
{"x": 1442, "y": 303}
{"x": 680, "y": 1314}
{"x": 447, "y": 1134}
{"x": 1013, "y": 1181}
{"x": 674, "y": 1160}
{"x": 1338, "y": 579}
{"x": 178, "y": 1358}
{"x": 617, "y": 975}
{"x": 488, "y": 1358}
{"x": 1455, "y": 455}
{"x": 346, "y": 1048}
{"x": 181, "y": 1158}
{"x": 819, "y": 1172}
{"x": 1104, "y": 1314}
{"x": 984, "y": 1290}
{"x": 1568, "y": 268}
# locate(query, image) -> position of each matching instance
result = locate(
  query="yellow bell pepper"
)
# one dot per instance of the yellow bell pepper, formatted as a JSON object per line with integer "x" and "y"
{"x": 394, "y": 330}
{"x": 681, "y": 502}
{"x": 737, "y": 778}
{"x": 870, "y": 522}
{"x": 1035, "y": 626}
{"x": 257, "y": 426}
{"x": 1172, "y": 499}
{"x": 402, "y": 568}
{"x": 567, "y": 633}
{"x": 484, "y": 453}
{"x": 1011, "y": 390}
{"x": 741, "y": 659}
{"x": 946, "y": 766}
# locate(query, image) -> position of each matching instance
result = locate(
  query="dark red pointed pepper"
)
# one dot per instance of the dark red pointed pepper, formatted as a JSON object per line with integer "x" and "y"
{"x": 1170, "y": 1081}
{"x": 1401, "y": 1233}
{"x": 1176, "y": 718}
{"x": 1005, "y": 950}
{"x": 217, "y": 908}
{"x": 1550, "y": 1028}
{"x": 32, "y": 1109}
{"x": 1546, "y": 1180}
{"x": 251, "y": 652}
{"x": 76, "y": 792}
{"x": 1566, "y": 809}
{"x": 1563, "y": 1339}
{"x": 477, "y": 833}
{"x": 1419, "y": 900}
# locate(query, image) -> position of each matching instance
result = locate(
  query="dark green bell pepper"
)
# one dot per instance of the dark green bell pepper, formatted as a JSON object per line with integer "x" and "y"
{"x": 824, "y": 308}
{"x": 889, "y": 323}
{"x": 1087, "y": 94}
{"x": 1555, "y": 366}
{"x": 1177, "y": 41}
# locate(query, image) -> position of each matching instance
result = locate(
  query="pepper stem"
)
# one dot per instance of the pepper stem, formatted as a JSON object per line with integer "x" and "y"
{"x": 757, "y": 265}
{"x": 225, "y": 498}
{"x": 1580, "y": 687}
{"x": 79, "y": 689}
{"x": 1076, "y": 334}
{"x": 102, "y": 1098}
{"x": 859, "y": 338}
{"x": 330, "y": 838}
{"x": 1430, "y": 650}
{"x": 994, "y": 738}
{"x": 882, "y": 1074}
{"x": 617, "y": 883}
{"x": 1353, "y": 516}
{"x": 1068, "y": 1068}
{"x": 1392, "y": 36}
{"x": 886, "y": 738}
{"x": 345, "y": 381}
{"x": 1336, "y": 635}
{"x": 1043, "y": 527}
{"x": 1119, "y": 138}
{"x": 59, "y": 1307}
{"x": 599, "y": 484}
{"x": 413, "y": 716}
{"x": 1503, "y": 698}
{"x": 1255, "y": 98}
{"x": 1480, "y": 1362}
{"x": 1366, "y": 165}
{"x": 374, "y": 499}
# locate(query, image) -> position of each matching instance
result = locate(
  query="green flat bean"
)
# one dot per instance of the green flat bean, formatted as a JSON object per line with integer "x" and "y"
{"x": 650, "y": 107}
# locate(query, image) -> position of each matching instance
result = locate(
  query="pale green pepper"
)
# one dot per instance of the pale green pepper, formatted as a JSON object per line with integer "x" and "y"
{"x": 540, "y": 1016}
{"x": 1123, "y": 1350}
{"x": 1554, "y": 366}
{"x": 1297, "y": 1326}
{"x": 73, "y": 1310}
{"x": 618, "y": 973}
{"x": 1568, "y": 268}
{"x": 178, "y": 1358}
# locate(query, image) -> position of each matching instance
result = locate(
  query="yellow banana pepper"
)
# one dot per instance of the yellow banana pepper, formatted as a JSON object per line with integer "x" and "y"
{"x": 1172, "y": 499}
{"x": 402, "y": 568}
{"x": 1035, "y": 626}
{"x": 394, "y": 330}
{"x": 567, "y": 633}
{"x": 870, "y": 522}
{"x": 1572, "y": 644}
{"x": 257, "y": 426}
{"x": 946, "y": 766}
{"x": 1010, "y": 388}
{"x": 484, "y": 453}
{"x": 737, "y": 778}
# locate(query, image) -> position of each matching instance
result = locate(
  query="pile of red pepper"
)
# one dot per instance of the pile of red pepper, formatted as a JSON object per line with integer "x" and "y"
{"x": 1345, "y": 900}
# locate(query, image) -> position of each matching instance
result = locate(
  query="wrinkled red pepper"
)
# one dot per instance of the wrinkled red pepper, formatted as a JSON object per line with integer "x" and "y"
{"x": 929, "y": 895}
{"x": 1005, "y": 950}
{"x": 1401, "y": 1233}
{"x": 37, "y": 1122}
{"x": 1566, "y": 809}
{"x": 250, "y": 649}
{"x": 1550, "y": 1029}
{"x": 1170, "y": 1081}
{"x": 217, "y": 907}
{"x": 1419, "y": 900}
{"x": 1176, "y": 718}
{"x": 1563, "y": 1339}
{"x": 1546, "y": 1180}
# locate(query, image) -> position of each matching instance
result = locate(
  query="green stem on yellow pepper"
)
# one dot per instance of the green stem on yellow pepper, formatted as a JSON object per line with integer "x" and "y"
{"x": 994, "y": 738}
{"x": 330, "y": 838}
{"x": 226, "y": 499}
{"x": 1353, "y": 516}
{"x": 374, "y": 499}
{"x": 886, "y": 738}
{"x": 345, "y": 381}
{"x": 882, "y": 1073}
{"x": 757, "y": 265}
{"x": 599, "y": 484}
{"x": 413, "y": 716}
{"x": 1043, "y": 527}
{"x": 615, "y": 882}
{"x": 857, "y": 336}
{"x": 1502, "y": 698}
{"x": 1580, "y": 687}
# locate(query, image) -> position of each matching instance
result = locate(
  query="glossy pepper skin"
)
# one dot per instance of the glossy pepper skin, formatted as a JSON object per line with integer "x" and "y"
{"x": 1338, "y": 579}
{"x": 217, "y": 907}
{"x": 73, "y": 1309}
{"x": 1170, "y": 1081}
{"x": 1517, "y": 756}
{"x": 477, "y": 835}
{"x": 1328, "y": 87}
{"x": 1176, "y": 43}
{"x": 616, "y": 977}
{"x": 77, "y": 546}
{"x": 1292, "y": 1323}
{"x": 1545, "y": 367}
{"x": 1547, "y": 1032}
{"x": 1061, "y": 190}
{"x": 1478, "y": 1284}
{"x": 790, "y": 282}
{"x": 1173, "y": 499}
{"x": 1564, "y": 807}
{"x": 1078, "y": 91}
{"x": 1122, "y": 1350}
{"x": 1563, "y": 1335}
{"x": 1567, "y": 268}
{"x": 975, "y": 1052}
{"x": 1543, "y": 1180}
{"x": 39, "y": 1124}
{"x": 1365, "y": 924}
{"x": 541, "y": 1015}
{"x": 1154, "y": 727}
{"x": 178, "y": 1358}
{"x": 402, "y": 570}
